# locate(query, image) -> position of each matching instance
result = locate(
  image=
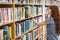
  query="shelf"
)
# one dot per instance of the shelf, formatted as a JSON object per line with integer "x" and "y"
{"x": 52, "y": 4}
{"x": 23, "y": 34}
{"x": 29, "y": 18}
{"x": 27, "y": 4}
{"x": 7, "y": 23}
{"x": 26, "y": 32}
{"x": 6, "y": 3}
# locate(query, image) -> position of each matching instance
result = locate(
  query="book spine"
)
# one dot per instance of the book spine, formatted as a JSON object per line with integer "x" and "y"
{"x": 30, "y": 1}
{"x": 21, "y": 13}
{"x": 19, "y": 29}
{"x": 15, "y": 1}
{"x": 29, "y": 36}
{"x": 5, "y": 33}
{"x": 27, "y": 25}
{"x": 22, "y": 27}
{"x": 5, "y": 14}
{"x": 9, "y": 14}
{"x": 1, "y": 34}
{"x": 10, "y": 32}
{"x": 18, "y": 13}
{"x": 26, "y": 9}
{"x": 35, "y": 32}
{"x": 0, "y": 15}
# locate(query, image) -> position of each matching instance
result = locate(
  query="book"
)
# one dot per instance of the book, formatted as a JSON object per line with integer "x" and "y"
{"x": 31, "y": 24}
{"x": 26, "y": 10}
{"x": 18, "y": 13}
{"x": 5, "y": 33}
{"x": 9, "y": 33}
{"x": 39, "y": 2}
{"x": 41, "y": 37}
{"x": 6, "y": 1}
{"x": 1, "y": 20}
{"x": 27, "y": 1}
{"x": 5, "y": 14}
{"x": 22, "y": 27}
{"x": 19, "y": 28}
{"x": 35, "y": 33}
{"x": 27, "y": 25}
{"x": 34, "y": 1}
{"x": 47, "y": 1}
{"x": 1, "y": 34}
{"x": 15, "y": 1}
{"x": 10, "y": 14}
{"x": 30, "y": 36}
{"x": 40, "y": 10}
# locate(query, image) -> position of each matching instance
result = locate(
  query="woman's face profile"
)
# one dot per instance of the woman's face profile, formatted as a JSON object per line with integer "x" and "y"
{"x": 49, "y": 11}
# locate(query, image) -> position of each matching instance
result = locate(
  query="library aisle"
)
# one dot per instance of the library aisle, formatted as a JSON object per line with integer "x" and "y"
{"x": 15, "y": 24}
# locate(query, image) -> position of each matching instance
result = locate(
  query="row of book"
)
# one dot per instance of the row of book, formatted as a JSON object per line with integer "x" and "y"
{"x": 6, "y": 15}
{"x": 30, "y": 36}
{"x": 5, "y": 33}
{"x": 27, "y": 25}
{"x": 5, "y": 1}
{"x": 28, "y": 1}
{"x": 21, "y": 12}
{"x": 52, "y": 1}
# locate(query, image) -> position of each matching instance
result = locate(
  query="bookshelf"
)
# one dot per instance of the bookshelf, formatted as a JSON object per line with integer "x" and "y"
{"x": 15, "y": 23}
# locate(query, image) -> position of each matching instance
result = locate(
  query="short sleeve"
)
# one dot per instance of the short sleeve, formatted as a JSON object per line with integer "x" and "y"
{"x": 49, "y": 21}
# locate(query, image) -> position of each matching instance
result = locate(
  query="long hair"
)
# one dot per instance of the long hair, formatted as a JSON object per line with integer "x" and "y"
{"x": 55, "y": 15}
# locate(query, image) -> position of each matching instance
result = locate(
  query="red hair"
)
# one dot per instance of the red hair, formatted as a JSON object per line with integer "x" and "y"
{"x": 55, "y": 15}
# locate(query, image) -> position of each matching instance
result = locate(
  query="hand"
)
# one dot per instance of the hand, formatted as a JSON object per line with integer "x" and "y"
{"x": 29, "y": 14}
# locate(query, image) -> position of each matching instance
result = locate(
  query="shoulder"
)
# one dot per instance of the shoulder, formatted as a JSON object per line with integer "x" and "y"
{"x": 50, "y": 20}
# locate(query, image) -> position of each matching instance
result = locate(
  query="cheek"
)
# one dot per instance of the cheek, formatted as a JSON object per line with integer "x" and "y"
{"x": 50, "y": 12}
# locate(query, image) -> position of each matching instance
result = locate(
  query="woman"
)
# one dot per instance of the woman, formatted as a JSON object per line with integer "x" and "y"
{"x": 52, "y": 23}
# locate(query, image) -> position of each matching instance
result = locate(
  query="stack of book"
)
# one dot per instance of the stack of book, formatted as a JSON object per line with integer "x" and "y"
{"x": 5, "y": 1}
{"x": 28, "y": 1}
{"x": 21, "y": 12}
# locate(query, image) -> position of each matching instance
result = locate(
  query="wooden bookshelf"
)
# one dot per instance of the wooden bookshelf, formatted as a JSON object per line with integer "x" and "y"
{"x": 26, "y": 32}
{"x": 28, "y": 18}
{"x": 12, "y": 23}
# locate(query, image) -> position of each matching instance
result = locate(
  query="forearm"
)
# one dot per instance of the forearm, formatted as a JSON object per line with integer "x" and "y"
{"x": 37, "y": 23}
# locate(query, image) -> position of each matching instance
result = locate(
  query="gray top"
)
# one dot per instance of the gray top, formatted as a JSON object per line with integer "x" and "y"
{"x": 51, "y": 29}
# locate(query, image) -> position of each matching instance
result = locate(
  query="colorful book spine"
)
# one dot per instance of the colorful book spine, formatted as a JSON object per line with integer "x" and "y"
{"x": 31, "y": 24}
{"x": 0, "y": 16}
{"x": 40, "y": 10}
{"x": 41, "y": 37}
{"x": 27, "y": 25}
{"x": 5, "y": 14}
{"x": 1, "y": 34}
{"x": 30, "y": 36}
{"x": 26, "y": 10}
{"x": 35, "y": 33}
{"x": 18, "y": 13}
{"x": 9, "y": 33}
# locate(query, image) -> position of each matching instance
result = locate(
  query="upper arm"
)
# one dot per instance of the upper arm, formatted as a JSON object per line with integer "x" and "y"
{"x": 47, "y": 21}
